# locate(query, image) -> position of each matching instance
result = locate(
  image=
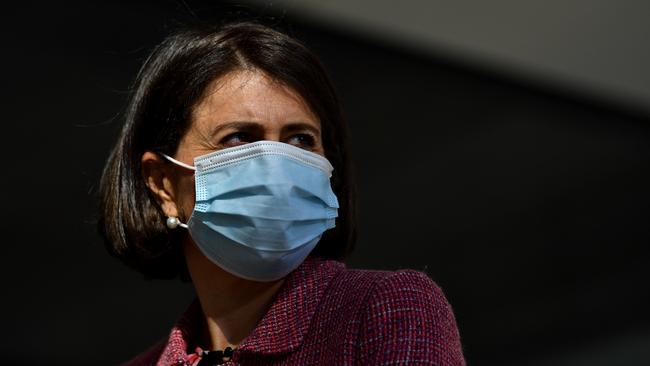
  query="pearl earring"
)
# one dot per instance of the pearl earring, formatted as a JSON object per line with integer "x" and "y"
{"x": 173, "y": 222}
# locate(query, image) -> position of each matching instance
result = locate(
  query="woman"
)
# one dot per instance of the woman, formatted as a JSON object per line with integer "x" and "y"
{"x": 233, "y": 171}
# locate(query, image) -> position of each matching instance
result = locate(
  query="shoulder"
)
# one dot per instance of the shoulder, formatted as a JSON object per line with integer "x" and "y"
{"x": 409, "y": 288}
{"x": 376, "y": 286}
{"x": 405, "y": 318}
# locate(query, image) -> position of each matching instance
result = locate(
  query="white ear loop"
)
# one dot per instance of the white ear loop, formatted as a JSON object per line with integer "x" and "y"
{"x": 172, "y": 221}
{"x": 179, "y": 163}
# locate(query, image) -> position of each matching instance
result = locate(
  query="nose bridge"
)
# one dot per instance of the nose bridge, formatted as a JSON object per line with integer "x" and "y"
{"x": 272, "y": 132}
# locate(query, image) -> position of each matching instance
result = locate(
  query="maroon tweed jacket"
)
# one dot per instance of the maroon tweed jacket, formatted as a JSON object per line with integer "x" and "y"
{"x": 325, "y": 314}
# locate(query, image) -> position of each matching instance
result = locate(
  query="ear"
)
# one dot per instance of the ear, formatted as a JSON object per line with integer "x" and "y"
{"x": 160, "y": 179}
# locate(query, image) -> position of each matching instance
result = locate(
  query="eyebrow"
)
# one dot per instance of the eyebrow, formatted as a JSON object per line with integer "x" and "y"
{"x": 249, "y": 125}
{"x": 300, "y": 126}
{"x": 236, "y": 125}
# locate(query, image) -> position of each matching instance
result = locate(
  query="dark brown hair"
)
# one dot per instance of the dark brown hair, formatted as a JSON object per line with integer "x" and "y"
{"x": 170, "y": 83}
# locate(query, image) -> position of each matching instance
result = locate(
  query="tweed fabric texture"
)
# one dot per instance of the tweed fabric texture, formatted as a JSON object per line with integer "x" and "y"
{"x": 326, "y": 314}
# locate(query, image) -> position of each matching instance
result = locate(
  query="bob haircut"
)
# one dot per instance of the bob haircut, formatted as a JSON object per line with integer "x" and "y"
{"x": 170, "y": 83}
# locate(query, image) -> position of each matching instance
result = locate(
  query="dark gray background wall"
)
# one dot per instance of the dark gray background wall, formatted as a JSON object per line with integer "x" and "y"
{"x": 528, "y": 204}
{"x": 595, "y": 46}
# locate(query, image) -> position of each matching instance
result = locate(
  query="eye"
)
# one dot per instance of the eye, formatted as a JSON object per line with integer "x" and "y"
{"x": 235, "y": 139}
{"x": 302, "y": 140}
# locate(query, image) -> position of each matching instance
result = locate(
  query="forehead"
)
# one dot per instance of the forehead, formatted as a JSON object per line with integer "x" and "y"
{"x": 250, "y": 95}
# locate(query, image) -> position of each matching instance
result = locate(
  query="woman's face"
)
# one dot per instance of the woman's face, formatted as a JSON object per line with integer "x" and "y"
{"x": 239, "y": 108}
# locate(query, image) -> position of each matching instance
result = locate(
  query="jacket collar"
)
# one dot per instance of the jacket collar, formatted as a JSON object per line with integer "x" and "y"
{"x": 283, "y": 327}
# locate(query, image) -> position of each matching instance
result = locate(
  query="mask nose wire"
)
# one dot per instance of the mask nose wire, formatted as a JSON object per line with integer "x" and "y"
{"x": 179, "y": 163}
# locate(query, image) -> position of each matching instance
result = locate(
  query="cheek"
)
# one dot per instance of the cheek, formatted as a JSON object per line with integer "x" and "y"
{"x": 186, "y": 196}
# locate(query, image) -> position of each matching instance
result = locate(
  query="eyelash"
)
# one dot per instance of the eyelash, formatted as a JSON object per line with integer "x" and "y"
{"x": 245, "y": 137}
{"x": 307, "y": 142}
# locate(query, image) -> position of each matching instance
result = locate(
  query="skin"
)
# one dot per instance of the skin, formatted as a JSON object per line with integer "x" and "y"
{"x": 240, "y": 107}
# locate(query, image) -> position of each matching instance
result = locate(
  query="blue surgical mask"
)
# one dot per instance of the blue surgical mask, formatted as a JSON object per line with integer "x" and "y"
{"x": 260, "y": 207}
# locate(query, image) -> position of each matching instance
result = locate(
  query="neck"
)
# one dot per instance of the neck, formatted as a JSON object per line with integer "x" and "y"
{"x": 232, "y": 306}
